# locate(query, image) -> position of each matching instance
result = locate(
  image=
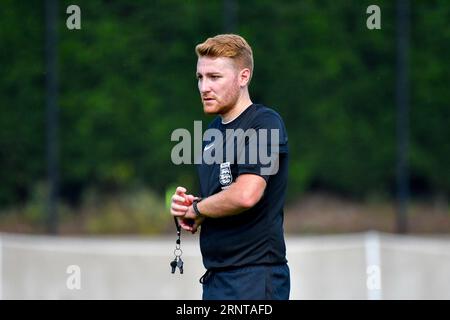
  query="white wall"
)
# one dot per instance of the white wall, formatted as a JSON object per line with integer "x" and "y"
{"x": 356, "y": 266}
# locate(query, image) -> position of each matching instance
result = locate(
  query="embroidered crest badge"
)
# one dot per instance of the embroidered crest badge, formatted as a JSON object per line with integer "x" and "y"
{"x": 225, "y": 177}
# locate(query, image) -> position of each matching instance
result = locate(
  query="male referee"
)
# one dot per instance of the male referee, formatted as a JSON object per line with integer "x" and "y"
{"x": 240, "y": 208}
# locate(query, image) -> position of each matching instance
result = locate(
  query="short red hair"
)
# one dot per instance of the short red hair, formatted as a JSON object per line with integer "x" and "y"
{"x": 227, "y": 45}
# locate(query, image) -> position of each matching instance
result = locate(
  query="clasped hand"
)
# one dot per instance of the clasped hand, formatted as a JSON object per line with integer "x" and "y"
{"x": 181, "y": 207}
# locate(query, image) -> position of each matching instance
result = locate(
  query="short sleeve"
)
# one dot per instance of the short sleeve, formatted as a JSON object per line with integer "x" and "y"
{"x": 264, "y": 147}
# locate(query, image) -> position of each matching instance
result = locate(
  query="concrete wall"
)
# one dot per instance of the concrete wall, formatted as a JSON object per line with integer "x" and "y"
{"x": 356, "y": 266}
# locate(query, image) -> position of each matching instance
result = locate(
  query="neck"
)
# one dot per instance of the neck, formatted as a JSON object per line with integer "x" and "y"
{"x": 243, "y": 103}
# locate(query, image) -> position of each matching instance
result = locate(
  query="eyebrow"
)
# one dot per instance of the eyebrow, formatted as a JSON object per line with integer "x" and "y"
{"x": 209, "y": 73}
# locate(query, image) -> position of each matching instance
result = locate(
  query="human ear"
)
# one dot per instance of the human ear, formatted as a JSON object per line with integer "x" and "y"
{"x": 244, "y": 77}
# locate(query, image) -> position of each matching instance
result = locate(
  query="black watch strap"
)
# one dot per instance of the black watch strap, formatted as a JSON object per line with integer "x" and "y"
{"x": 194, "y": 205}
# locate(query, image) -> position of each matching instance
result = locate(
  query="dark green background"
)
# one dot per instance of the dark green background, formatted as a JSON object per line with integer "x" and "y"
{"x": 127, "y": 80}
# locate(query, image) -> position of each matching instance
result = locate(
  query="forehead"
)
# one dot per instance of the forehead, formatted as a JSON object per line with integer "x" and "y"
{"x": 217, "y": 64}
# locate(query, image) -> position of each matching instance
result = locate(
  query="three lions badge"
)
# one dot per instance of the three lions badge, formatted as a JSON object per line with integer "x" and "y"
{"x": 225, "y": 177}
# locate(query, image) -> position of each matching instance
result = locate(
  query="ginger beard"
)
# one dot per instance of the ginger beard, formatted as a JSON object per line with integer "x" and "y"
{"x": 218, "y": 84}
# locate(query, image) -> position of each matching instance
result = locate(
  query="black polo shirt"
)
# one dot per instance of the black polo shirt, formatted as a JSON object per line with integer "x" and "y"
{"x": 254, "y": 236}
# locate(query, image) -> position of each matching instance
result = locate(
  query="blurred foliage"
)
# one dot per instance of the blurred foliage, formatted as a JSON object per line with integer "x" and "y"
{"x": 136, "y": 211}
{"x": 127, "y": 81}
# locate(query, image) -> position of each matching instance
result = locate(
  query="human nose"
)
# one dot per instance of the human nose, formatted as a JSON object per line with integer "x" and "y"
{"x": 203, "y": 86}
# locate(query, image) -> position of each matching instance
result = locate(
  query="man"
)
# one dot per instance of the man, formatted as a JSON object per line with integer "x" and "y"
{"x": 240, "y": 208}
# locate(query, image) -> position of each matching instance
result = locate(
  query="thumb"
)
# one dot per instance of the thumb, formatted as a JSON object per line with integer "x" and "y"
{"x": 189, "y": 198}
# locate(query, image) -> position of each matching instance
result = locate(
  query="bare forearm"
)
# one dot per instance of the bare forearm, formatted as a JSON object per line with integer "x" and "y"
{"x": 239, "y": 196}
{"x": 224, "y": 203}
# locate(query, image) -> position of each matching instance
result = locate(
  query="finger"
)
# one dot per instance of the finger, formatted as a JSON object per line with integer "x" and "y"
{"x": 186, "y": 227}
{"x": 178, "y": 213}
{"x": 178, "y": 198}
{"x": 196, "y": 225}
{"x": 185, "y": 224}
{"x": 179, "y": 207}
{"x": 180, "y": 190}
{"x": 194, "y": 228}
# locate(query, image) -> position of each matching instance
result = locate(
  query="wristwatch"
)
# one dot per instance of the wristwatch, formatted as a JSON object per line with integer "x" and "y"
{"x": 194, "y": 205}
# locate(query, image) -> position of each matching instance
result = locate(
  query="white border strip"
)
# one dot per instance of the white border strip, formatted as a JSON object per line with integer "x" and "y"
{"x": 373, "y": 266}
